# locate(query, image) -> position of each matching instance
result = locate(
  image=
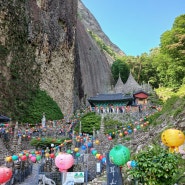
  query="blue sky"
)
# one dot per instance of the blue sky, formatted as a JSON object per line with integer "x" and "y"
{"x": 135, "y": 26}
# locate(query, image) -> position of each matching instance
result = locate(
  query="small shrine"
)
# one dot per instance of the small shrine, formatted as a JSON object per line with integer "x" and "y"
{"x": 141, "y": 97}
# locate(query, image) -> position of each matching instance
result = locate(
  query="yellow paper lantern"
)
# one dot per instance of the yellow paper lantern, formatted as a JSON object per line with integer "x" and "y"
{"x": 76, "y": 149}
{"x": 120, "y": 135}
{"x": 47, "y": 155}
{"x": 173, "y": 138}
{"x": 8, "y": 159}
{"x": 97, "y": 156}
{"x": 97, "y": 142}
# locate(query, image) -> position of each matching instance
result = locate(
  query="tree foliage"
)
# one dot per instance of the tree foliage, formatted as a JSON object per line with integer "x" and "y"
{"x": 120, "y": 67}
{"x": 88, "y": 122}
{"x": 163, "y": 66}
{"x": 42, "y": 103}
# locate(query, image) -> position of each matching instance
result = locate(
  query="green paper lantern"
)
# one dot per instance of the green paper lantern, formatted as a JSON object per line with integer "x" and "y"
{"x": 38, "y": 157}
{"x": 119, "y": 155}
{"x": 69, "y": 151}
{"x": 77, "y": 154}
{"x": 94, "y": 152}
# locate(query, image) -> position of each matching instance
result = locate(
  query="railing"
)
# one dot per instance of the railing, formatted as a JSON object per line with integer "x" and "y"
{"x": 19, "y": 175}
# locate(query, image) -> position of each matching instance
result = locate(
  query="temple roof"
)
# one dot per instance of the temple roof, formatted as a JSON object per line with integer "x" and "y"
{"x": 131, "y": 85}
{"x": 109, "y": 97}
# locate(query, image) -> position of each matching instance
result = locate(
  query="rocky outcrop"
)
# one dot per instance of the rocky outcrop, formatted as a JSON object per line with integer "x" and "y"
{"x": 90, "y": 23}
{"x": 44, "y": 46}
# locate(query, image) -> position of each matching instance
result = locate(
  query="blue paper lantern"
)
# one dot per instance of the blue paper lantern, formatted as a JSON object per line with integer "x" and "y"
{"x": 83, "y": 147}
{"x": 133, "y": 164}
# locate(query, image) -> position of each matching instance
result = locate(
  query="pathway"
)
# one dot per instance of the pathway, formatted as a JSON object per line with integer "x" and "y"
{"x": 33, "y": 178}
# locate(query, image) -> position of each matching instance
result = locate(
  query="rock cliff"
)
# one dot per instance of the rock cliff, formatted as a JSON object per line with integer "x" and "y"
{"x": 45, "y": 44}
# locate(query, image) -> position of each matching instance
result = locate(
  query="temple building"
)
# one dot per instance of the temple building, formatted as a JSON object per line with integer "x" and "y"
{"x": 110, "y": 102}
{"x": 124, "y": 97}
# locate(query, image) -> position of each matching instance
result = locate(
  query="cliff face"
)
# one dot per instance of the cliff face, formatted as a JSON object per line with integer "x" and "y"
{"x": 55, "y": 40}
{"x": 94, "y": 66}
{"x": 43, "y": 45}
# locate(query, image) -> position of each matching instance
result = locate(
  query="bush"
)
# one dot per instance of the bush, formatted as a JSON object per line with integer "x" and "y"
{"x": 155, "y": 165}
{"x": 88, "y": 122}
{"x": 46, "y": 142}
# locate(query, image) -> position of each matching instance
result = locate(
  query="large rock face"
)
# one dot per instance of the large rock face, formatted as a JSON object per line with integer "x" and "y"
{"x": 43, "y": 45}
{"x": 55, "y": 51}
{"x": 95, "y": 69}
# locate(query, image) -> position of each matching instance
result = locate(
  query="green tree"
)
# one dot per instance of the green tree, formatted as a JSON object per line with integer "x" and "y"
{"x": 88, "y": 122}
{"x": 42, "y": 103}
{"x": 120, "y": 67}
{"x": 173, "y": 44}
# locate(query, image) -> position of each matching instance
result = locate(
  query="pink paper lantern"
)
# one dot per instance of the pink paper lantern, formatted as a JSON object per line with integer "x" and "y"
{"x": 33, "y": 159}
{"x": 64, "y": 161}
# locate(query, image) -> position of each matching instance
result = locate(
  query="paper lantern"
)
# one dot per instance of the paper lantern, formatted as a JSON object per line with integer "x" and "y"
{"x": 103, "y": 160}
{"x": 94, "y": 152}
{"x": 120, "y": 135}
{"x": 47, "y": 155}
{"x": 77, "y": 154}
{"x": 38, "y": 157}
{"x": 83, "y": 147}
{"x": 119, "y": 155}
{"x": 89, "y": 144}
{"x": 129, "y": 164}
{"x": 100, "y": 157}
{"x": 173, "y": 138}
{"x": 97, "y": 156}
{"x": 97, "y": 142}
{"x": 23, "y": 158}
{"x": 69, "y": 151}
{"x": 64, "y": 161}
{"x": 15, "y": 157}
{"x": 33, "y": 159}
{"x": 133, "y": 164}
{"x": 76, "y": 149}
{"x": 109, "y": 138}
{"x": 52, "y": 155}
{"x": 8, "y": 159}
{"x": 5, "y": 174}
{"x": 125, "y": 132}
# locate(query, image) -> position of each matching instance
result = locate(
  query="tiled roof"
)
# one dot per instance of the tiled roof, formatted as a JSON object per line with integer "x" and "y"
{"x": 108, "y": 97}
{"x": 140, "y": 91}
